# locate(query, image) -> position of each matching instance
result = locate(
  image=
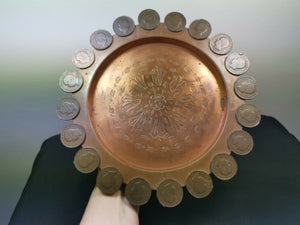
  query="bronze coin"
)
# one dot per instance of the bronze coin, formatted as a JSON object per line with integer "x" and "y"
{"x": 149, "y": 19}
{"x": 200, "y": 29}
{"x": 86, "y": 160}
{"x": 101, "y": 39}
{"x": 67, "y": 108}
{"x": 237, "y": 63}
{"x": 221, "y": 44}
{"x": 223, "y": 166}
{"x": 245, "y": 87}
{"x": 83, "y": 58}
{"x": 123, "y": 26}
{"x": 199, "y": 184}
{"x": 138, "y": 191}
{"x": 72, "y": 135}
{"x": 248, "y": 115}
{"x": 240, "y": 142}
{"x": 70, "y": 81}
{"x": 169, "y": 193}
{"x": 175, "y": 22}
{"x": 109, "y": 180}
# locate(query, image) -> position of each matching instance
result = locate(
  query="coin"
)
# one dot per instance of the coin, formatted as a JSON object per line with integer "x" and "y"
{"x": 223, "y": 166}
{"x": 175, "y": 21}
{"x": 199, "y": 184}
{"x": 169, "y": 193}
{"x": 83, "y": 58}
{"x": 221, "y": 44}
{"x": 248, "y": 115}
{"x": 200, "y": 29}
{"x": 72, "y": 135}
{"x": 245, "y": 87}
{"x": 149, "y": 19}
{"x": 237, "y": 63}
{"x": 86, "y": 160}
{"x": 240, "y": 142}
{"x": 123, "y": 26}
{"x": 67, "y": 109}
{"x": 109, "y": 180}
{"x": 138, "y": 191}
{"x": 101, "y": 39}
{"x": 70, "y": 81}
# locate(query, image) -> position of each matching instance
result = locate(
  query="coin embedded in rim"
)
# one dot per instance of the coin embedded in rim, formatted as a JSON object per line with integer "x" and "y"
{"x": 200, "y": 29}
{"x": 70, "y": 81}
{"x": 245, "y": 87}
{"x": 237, "y": 63}
{"x": 149, "y": 19}
{"x": 240, "y": 142}
{"x": 67, "y": 109}
{"x": 138, "y": 191}
{"x": 223, "y": 166}
{"x": 101, "y": 39}
{"x": 221, "y": 44}
{"x": 109, "y": 180}
{"x": 248, "y": 115}
{"x": 72, "y": 135}
{"x": 123, "y": 26}
{"x": 199, "y": 184}
{"x": 86, "y": 160}
{"x": 83, "y": 58}
{"x": 169, "y": 193}
{"x": 175, "y": 21}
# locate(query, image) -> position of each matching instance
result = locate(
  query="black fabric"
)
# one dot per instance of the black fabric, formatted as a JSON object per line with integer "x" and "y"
{"x": 266, "y": 189}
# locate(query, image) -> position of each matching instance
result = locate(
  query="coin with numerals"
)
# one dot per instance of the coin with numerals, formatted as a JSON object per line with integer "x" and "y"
{"x": 248, "y": 115}
{"x": 169, "y": 193}
{"x": 223, "y": 166}
{"x": 86, "y": 160}
{"x": 72, "y": 135}
{"x": 70, "y": 81}
{"x": 245, "y": 87}
{"x": 149, "y": 19}
{"x": 221, "y": 44}
{"x": 67, "y": 109}
{"x": 83, "y": 58}
{"x": 123, "y": 26}
{"x": 175, "y": 21}
{"x": 138, "y": 191}
{"x": 200, "y": 29}
{"x": 101, "y": 39}
{"x": 240, "y": 142}
{"x": 237, "y": 63}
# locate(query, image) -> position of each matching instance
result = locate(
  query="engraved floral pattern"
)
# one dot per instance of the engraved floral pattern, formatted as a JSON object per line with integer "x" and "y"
{"x": 155, "y": 103}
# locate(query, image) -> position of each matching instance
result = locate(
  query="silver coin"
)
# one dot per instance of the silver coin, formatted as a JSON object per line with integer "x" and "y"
{"x": 123, "y": 26}
{"x": 248, "y": 115}
{"x": 240, "y": 142}
{"x": 223, "y": 166}
{"x": 67, "y": 109}
{"x": 221, "y": 44}
{"x": 149, "y": 19}
{"x": 200, "y": 29}
{"x": 245, "y": 87}
{"x": 70, "y": 81}
{"x": 175, "y": 21}
{"x": 83, "y": 58}
{"x": 237, "y": 63}
{"x": 72, "y": 135}
{"x": 101, "y": 39}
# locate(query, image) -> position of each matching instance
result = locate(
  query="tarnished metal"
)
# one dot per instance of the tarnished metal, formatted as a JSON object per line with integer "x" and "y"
{"x": 159, "y": 105}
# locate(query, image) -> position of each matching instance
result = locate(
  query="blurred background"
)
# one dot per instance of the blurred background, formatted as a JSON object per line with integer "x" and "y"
{"x": 38, "y": 38}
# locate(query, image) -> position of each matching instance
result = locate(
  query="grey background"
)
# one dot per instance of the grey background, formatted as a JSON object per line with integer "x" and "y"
{"x": 38, "y": 39}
